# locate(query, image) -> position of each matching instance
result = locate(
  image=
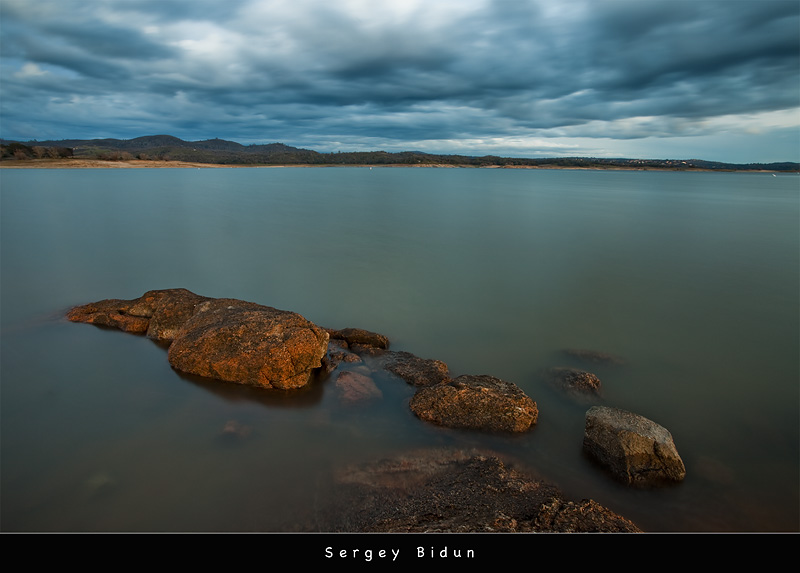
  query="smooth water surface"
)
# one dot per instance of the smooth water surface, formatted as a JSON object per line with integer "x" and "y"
{"x": 692, "y": 278}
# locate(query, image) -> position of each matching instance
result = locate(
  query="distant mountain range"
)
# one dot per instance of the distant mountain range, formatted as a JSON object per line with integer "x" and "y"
{"x": 220, "y": 151}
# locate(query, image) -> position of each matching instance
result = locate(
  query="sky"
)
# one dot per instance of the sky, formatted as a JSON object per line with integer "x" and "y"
{"x": 704, "y": 79}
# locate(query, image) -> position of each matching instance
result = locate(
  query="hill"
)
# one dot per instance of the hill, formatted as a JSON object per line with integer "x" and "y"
{"x": 220, "y": 151}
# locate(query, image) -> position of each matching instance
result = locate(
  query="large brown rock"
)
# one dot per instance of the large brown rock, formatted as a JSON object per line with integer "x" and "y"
{"x": 226, "y": 339}
{"x": 476, "y": 402}
{"x": 636, "y": 450}
{"x": 247, "y": 343}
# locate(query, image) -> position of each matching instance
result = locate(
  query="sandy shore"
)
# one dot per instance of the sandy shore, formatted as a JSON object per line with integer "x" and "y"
{"x": 99, "y": 163}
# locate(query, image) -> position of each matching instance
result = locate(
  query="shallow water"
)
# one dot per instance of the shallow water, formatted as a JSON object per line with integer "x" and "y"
{"x": 692, "y": 278}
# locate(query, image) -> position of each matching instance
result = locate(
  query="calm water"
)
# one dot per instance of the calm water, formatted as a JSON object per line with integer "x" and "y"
{"x": 691, "y": 277}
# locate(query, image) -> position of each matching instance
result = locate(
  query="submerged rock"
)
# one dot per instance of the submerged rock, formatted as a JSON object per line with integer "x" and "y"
{"x": 593, "y": 357}
{"x": 356, "y": 388}
{"x": 338, "y": 352}
{"x": 635, "y": 449}
{"x": 476, "y": 402}
{"x": 225, "y": 339}
{"x": 577, "y": 384}
{"x": 235, "y": 429}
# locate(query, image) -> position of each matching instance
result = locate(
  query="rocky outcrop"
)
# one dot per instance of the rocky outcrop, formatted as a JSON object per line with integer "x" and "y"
{"x": 577, "y": 384}
{"x": 476, "y": 402}
{"x": 455, "y": 491}
{"x": 634, "y": 449}
{"x": 226, "y": 339}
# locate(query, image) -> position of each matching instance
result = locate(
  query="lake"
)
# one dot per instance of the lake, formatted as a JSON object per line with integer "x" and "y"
{"x": 691, "y": 278}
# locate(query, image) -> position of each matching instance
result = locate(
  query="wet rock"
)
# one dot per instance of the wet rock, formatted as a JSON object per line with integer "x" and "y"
{"x": 577, "y": 384}
{"x": 360, "y": 336}
{"x": 356, "y": 388}
{"x": 476, "y": 402}
{"x": 247, "y": 343}
{"x": 455, "y": 491}
{"x": 633, "y": 448}
{"x": 415, "y": 370}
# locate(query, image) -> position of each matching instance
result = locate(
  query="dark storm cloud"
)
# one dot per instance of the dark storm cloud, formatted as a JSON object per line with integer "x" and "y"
{"x": 355, "y": 71}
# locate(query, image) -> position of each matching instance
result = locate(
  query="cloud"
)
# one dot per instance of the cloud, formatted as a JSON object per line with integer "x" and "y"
{"x": 30, "y": 70}
{"x": 463, "y": 75}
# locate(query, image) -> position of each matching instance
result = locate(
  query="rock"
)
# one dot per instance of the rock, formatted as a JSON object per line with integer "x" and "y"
{"x": 476, "y": 402}
{"x": 355, "y": 388}
{"x": 585, "y": 516}
{"x": 234, "y": 429}
{"x": 577, "y": 384}
{"x": 158, "y": 313}
{"x": 171, "y": 311}
{"x": 415, "y": 370}
{"x": 593, "y": 357}
{"x": 110, "y": 312}
{"x": 454, "y": 491}
{"x": 636, "y": 450}
{"x": 247, "y": 343}
{"x": 338, "y": 352}
{"x": 360, "y": 336}
{"x": 225, "y": 339}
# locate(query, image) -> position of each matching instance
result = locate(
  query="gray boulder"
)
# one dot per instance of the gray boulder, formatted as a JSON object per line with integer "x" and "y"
{"x": 636, "y": 450}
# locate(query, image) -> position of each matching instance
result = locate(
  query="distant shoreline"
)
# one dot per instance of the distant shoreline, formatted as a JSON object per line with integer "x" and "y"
{"x": 81, "y": 163}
